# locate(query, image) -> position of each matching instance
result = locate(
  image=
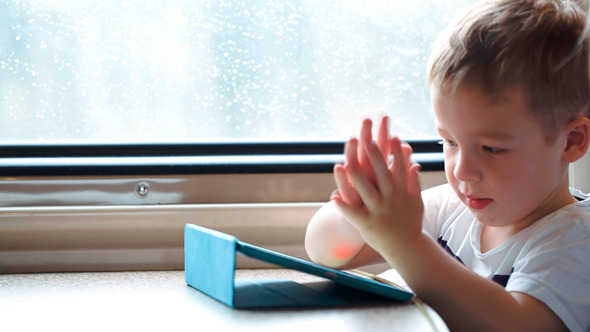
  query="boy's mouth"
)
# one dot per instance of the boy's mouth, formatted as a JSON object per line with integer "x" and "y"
{"x": 478, "y": 203}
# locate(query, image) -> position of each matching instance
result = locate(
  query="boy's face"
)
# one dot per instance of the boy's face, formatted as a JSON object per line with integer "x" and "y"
{"x": 497, "y": 158}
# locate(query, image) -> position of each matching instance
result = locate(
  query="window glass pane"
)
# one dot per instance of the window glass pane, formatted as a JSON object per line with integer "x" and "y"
{"x": 202, "y": 71}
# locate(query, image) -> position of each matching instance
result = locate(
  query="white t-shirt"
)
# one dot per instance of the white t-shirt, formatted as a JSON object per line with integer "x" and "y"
{"x": 549, "y": 260}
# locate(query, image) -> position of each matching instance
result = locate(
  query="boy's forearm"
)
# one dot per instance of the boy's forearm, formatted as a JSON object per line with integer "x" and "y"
{"x": 451, "y": 289}
{"x": 465, "y": 300}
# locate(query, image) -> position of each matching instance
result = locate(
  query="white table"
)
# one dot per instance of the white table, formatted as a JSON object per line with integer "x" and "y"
{"x": 162, "y": 301}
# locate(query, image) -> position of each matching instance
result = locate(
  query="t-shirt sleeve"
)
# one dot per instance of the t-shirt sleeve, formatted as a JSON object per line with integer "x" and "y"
{"x": 557, "y": 272}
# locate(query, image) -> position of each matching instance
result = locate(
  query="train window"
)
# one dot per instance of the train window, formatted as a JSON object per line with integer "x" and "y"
{"x": 156, "y": 71}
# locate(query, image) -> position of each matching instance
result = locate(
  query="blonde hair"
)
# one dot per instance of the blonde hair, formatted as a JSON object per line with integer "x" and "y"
{"x": 539, "y": 47}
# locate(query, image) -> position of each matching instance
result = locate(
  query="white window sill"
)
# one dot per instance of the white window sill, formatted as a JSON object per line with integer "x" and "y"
{"x": 44, "y": 239}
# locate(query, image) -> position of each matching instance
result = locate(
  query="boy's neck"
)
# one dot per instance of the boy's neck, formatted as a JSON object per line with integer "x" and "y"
{"x": 493, "y": 237}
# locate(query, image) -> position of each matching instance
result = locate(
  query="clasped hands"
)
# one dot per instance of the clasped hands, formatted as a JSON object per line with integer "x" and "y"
{"x": 379, "y": 190}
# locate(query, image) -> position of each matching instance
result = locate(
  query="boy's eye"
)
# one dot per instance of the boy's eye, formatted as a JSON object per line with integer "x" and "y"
{"x": 492, "y": 149}
{"x": 447, "y": 143}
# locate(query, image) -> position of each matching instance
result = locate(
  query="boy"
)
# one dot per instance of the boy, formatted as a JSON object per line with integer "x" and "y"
{"x": 510, "y": 91}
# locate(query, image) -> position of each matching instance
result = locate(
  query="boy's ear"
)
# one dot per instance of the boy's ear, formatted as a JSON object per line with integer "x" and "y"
{"x": 578, "y": 138}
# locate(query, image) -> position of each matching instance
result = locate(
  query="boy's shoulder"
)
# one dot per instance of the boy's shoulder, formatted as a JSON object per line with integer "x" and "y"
{"x": 578, "y": 212}
{"x": 569, "y": 223}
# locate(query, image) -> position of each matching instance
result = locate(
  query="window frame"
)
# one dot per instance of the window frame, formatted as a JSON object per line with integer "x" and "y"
{"x": 184, "y": 158}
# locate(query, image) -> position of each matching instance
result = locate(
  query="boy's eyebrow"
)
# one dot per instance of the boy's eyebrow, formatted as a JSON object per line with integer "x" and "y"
{"x": 496, "y": 135}
{"x": 492, "y": 135}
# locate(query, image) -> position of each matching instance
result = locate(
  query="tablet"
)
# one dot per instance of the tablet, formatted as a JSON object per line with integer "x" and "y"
{"x": 210, "y": 267}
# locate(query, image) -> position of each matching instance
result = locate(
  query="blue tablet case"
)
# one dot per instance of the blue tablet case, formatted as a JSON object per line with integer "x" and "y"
{"x": 210, "y": 262}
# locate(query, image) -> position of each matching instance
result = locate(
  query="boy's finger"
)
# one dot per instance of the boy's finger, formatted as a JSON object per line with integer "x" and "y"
{"x": 352, "y": 213}
{"x": 365, "y": 187}
{"x": 345, "y": 189}
{"x": 365, "y": 138}
{"x": 400, "y": 161}
{"x": 383, "y": 177}
{"x": 351, "y": 151}
{"x": 414, "y": 181}
{"x": 335, "y": 193}
{"x": 407, "y": 152}
{"x": 345, "y": 181}
{"x": 383, "y": 138}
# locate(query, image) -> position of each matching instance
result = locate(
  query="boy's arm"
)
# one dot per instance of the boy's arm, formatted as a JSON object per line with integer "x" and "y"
{"x": 390, "y": 220}
{"x": 330, "y": 239}
{"x": 465, "y": 300}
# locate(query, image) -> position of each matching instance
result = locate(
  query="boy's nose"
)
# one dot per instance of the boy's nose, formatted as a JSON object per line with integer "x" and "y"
{"x": 466, "y": 168}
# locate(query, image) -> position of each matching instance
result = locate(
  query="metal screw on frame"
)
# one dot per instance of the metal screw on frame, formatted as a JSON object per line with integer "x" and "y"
{"x": 142, "y": 189}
